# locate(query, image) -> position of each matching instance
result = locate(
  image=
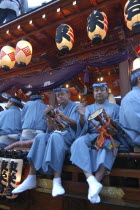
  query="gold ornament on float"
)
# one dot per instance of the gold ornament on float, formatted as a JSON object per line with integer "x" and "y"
{"x": 7, "y": 57}
{"x": 64, "y": 38}
{"x": 132, "y": 15}
{"x": 97, "y": 26}
{"x": 23, "y": 53}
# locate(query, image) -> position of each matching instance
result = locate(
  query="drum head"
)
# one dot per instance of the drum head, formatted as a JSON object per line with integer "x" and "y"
{"x": 95, "y": 114}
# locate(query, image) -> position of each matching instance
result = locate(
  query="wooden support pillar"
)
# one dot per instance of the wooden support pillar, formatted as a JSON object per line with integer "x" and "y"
{"x": 124, "y": 78}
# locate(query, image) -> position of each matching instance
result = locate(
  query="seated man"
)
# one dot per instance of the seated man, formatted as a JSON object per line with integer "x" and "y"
{"x": 83, "y": 155}
{"x": 31, "y": 117}
{"x": 48, "y": 150}
{"x": 10, "y": 122}
{"x": 129, "y": 116}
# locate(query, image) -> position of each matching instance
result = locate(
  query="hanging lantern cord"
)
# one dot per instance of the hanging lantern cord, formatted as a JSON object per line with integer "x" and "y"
{"x": 44, "y": 68}
{"x": 137, "y": 55}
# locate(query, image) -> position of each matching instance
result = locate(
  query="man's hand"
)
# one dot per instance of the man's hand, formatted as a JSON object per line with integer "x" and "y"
{"x": 49, "y": 108}
{"x": 60, "y": 113}
{"x": 68, "y": 120}
{"x": 109, "y": 116}
{"x": 81, "y": 110}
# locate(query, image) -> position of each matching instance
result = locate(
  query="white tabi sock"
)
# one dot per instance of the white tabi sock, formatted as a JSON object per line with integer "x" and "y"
{"x": 29, "y": 183}
{"x": 94, "y": 188}
{"x": 57, "y": 187}
{"x": 95, "y": 199}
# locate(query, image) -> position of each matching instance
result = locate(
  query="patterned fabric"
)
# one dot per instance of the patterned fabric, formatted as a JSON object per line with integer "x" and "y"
{"x": 103, "y": 84}
{"x": 53, "y": 78}
{"x": 135, "y": 75}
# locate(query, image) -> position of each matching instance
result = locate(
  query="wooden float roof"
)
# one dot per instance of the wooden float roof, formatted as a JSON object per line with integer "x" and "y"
{"x": 41, "y": 34}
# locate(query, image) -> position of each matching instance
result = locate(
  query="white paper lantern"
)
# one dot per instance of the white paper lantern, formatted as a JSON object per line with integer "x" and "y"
{"x": 14, "y": 177}
{"x": 5, "y": 163}
{"x": 23, "y": 53}
{"x": 7, "y": 57}
{"x": 132, "y": 15}
{"x": 136, "y": 64}
{"x": 64, "y": 38}
{"x": 97, "y": 26}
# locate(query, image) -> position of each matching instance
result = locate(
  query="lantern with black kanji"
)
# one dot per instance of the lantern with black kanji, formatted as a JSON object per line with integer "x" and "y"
{"x": 23, "y": 53}
{"x": 14, "y": 177}
{"x": 7, "y": 57}
{"x": 97, "y": 26}
{"x": 64, "y": 38}
{"x": 132, "y": 15}
{"x": 4, "y": 170}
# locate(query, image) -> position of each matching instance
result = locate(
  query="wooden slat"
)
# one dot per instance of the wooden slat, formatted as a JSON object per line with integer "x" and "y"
{"x": 75, "y": 177}
{"x": 72, "y": 168}
{"x": 75, "y": 187}
{"x": 133, "y": 173}
{"x": 132, "y": 193}
{"x": 127, "y": 155}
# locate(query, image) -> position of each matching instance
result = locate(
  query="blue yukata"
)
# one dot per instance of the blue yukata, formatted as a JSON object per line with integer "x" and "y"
{"x": 48, "y": 150}
{"x": 32, "y": 122}
{"x": 82, "y": 154}
{"x": 10, "y": 123}
{"x": 129, "y": 116}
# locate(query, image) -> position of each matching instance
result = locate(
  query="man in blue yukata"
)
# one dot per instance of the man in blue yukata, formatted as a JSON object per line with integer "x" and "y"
{"x": 10, "y": 122}
{"x": 48, "y": 150}
{"x": 130, "y": 110}
{"x": 82, "y": 154}
{"x": 31, "y": 117}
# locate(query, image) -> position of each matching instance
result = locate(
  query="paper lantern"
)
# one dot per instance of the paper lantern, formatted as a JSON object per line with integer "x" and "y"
{"x": 137, "y": 49}
{"x": 5, "y": 164}
{"x": 132, "y": 15}
{"x": 136, "y": 64}
{"x": 14, "y": 177}
{"x": 64, "y": 38}
{"x": 7, "y": 57}
{"x": 23, "y": 53}
{"x": 97, "y": 26}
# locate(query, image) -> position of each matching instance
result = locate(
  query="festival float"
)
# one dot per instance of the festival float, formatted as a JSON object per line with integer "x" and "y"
{"x": 74, "y": 44}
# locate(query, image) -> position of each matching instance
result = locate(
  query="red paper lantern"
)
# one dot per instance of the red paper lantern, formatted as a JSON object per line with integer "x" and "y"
{"x": 138, "y": 49}
{"x": 132, "y": 15}
{"x": 23, "y": 53}
{"x": 7, "y": 57}
{"x": 64, "y": 38}
{"x": 97, "y": 26}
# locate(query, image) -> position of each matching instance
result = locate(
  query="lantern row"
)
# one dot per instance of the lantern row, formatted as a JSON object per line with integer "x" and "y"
{"x": 22, "y": 55}
{"x": 97, "y": 27}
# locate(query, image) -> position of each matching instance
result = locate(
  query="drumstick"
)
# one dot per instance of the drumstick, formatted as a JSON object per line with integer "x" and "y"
{"x": 52, "y": 99}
